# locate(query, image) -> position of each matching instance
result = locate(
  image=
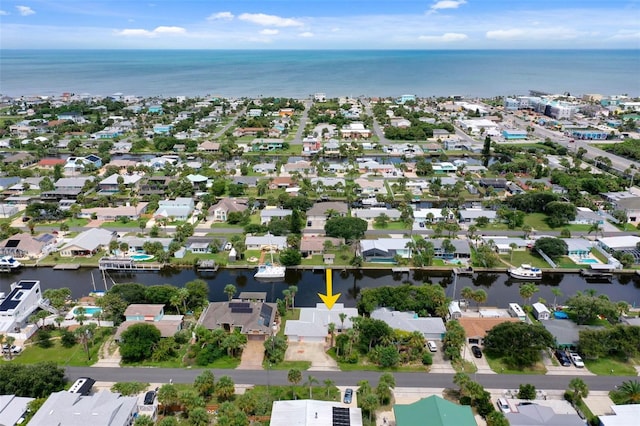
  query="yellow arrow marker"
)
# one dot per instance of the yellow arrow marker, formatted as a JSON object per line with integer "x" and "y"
{"x": 329, "y": 299}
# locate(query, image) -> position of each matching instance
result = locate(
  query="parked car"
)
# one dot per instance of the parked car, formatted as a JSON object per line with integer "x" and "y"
{"x": 26, "y": 218}
{"x": 13, "y": 349}
{"x": 503, "y": 405}
{"x": 576, "y": 359}
{"x": 563, "y": 358}
{"x": 149, "y": 397}
{"x": 432, "y": 346}
{"x": 228, "y": 247}
{"x": 348, "y": 396}
{"x": 476, "y": 351}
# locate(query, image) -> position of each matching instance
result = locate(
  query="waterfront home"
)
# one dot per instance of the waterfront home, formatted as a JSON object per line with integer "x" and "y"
{"x": 314, "y": 412}
{"x": 566, "y": 332}
{"x": 88, "y": 243}
{"x": 503, "y": 245}
{"x": 178, "y": 209}
{"x": 255, "y": 319}
{"x": 311, "y": 145}
{"x": 440, "y": 412}
{"x": 476, "y": 328}
{"x": 265, "y": 144}
{"x": 24, "y": 159}
{"x": 168, "y": 325}
{"x": 202, "y": 245}
{"x": 461, "y": 249}
{"x": 50, "y": 163}
{"x": 25, "y": 297}
{"x": 78, "y": 164}
{"x": 265, "y": 242}
{"x": 112, "y": 214}
{"x": 313, "y": 323}
{"x": 431, "y": 328}
{"x": 269, "y": 213}
{"x": 371, "y": 187}
{"x": 219, "y": 212}
{"x": 27, "y": 245}
{"x": 280, "y": 182}
{"x": 541, "y": 312}
{"x": 384, "y": 249}
{"x": 470, "y": 216}
{"x": 111, "y": 184}
{"x": 315, "y": 245}
{"x": 136, "y": 244}
{"x": 355, "y": 130}
{"x": 624, "y": 244}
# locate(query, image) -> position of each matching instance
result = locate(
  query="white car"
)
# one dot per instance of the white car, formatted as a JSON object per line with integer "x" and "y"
{"x": 503, "y": 405}
{"x": 228, "y": 247}
{"x": 576, "y": 359}
{"x": 432, "y": 346}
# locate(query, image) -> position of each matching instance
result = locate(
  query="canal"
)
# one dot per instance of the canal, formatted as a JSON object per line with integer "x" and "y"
{"x": 501, "y": 289}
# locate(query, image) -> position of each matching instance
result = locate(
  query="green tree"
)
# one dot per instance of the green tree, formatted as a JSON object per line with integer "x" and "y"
{"x": 199, "y": 417}
{"x": 167, "y": 396}
{"x": 294, "y": 376}
{"x": 529, "y": 339}
{"x": 230, "y": 291}
{"x": 578, "y": 389}
{"x": 138, "y": 342}
{"x": 225, "y": 388}
{"x": 310, "y": 382}
{"x": 385, "y": 384}
{"x": 527, "y": 391}
{"x": 205, "y": 384}
{"x": 349, "y": 228}
{"x": 496, "y": 418}
{"x": 290, "y": 257}
{"x": 527, "y": 290}
{"x": 629, "y": 392}
{"x": 143, "y": 420}
{"x": 552, "y": 247}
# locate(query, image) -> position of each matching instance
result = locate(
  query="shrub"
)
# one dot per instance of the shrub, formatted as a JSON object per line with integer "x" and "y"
{"x": 427, "y": 359}
{"x": 67, "y": 338}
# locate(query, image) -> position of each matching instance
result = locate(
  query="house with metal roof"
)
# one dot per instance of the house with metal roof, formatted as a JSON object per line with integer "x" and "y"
{"x": 103, "y": 409}
{"x": 309, "y": 412}
{"x": 25, "y": 297}
{"x": 540, "y": 415}
{"x": 432, "y": 328}
{"x": 439, "y": 411}
{"x": 13, "y": 409}
{"x": 178, "y": 209}
{"x": 313, "y": 324}
{"x": 88, "y": 243}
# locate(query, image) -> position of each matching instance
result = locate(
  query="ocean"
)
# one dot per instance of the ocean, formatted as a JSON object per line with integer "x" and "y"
{"x": 299, "y": 73}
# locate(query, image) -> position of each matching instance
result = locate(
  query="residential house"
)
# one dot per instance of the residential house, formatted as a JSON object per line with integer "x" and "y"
{"x": 110, "y": 184}
{"x": 318, "y": 214}
{"x": 178, "y": 209}
{"x": 439, "y": 411}
{"x": 219, "y": 212}
{"x": 269, "y": 213}
{"x": 586, "y": 216}
{"x": 384, "y": 249}
{"x": 7, "y": 182}
{"x": 202, "y": 245}
{"x": 476, "y": 328}
{"x": 155, "y": 185}
{"x": 355, "y": 130}
{"x": 621, "y": 415}
{"x": 313, "y": 324}
{"x": 280, "y": 182}
{"x": 8, "y": 210}
{"x": 265, "y": 242}
{"x": 264, "y": 168}
{"x": 431, "y": 328}
{"x": 162, "y": 129}
{"x": 136, "y": 244}
{"x": 27, "y": 246}
{"x": 248, "y": 131}
{"x": 470, "y": 216}
{"x": 301, "y": 166}
{"x": 541, "y": 312}
{"x": 13, "y": 409}
{"x": 255, "y": 319}
{"x": 266, "y": 144}
{"x": 208, "y": 146}
{"x": 566, "y": 332}
{"x": 88, "y": 243}
{"x": 311, "y": 145}
{"x": 540, "y": 415}
{"x": 371, "y": 187}
{"x": 309, "y": 412}
{"x": 495, "y": 183}
{"x": 23, "y": 158}
{"x": 314, "y": 245}
{"x": 168, "y": 325}
{"x": 75, "y": 116}
{"x": 50, "y": 163}
{"x": 631, "y": 207}
{"x": 199, "y": 182}
{"x": 112, "y": 214}
{"x": 373, "y": 212}
{"x": 24, "y": 298}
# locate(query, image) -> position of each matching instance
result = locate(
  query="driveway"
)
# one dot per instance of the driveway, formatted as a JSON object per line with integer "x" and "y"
{"x": 440, "y": 365}
{"x": 481, "y": 363}
{"x": 252, "y": 355}
{"x": 311, "y": 351}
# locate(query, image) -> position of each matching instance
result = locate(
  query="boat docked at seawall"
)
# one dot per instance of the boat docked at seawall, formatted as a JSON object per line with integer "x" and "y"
{"x": 8, "y": 262}
{"x": 525, "y": 272}
{"x": 270, "y": 271}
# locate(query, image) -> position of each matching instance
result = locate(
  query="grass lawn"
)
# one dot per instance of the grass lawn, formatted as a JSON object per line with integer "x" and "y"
{"x": 71, "y": 222}
{"x": 519, "y": 257}
{"x": 170, "y": 363}
{"x": 610, "y": 367}
{"x": 601, "y": 257}
{"x": 288, "y": 365}
{"x": 118, "y": 224}
{"x": 464, "y": 366}
{"x": 397, "y": 225}
{"x": 498, "y": 365}
{"x": 55, "y": 259}
{"x": 566, "y": 262}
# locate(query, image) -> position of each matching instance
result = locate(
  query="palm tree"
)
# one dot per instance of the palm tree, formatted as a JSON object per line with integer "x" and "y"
{"x": 292, "y": 291}
{"x": 629, "y": 392}
{"x": 467, "y": 294}
{"x": 230, "y": 291}
{"x": 579, "y": 389}
{"x": 332, "y": 332}
{"x": 527, "y": 229}
{"x": 294, "y": 376}
{"x": 328, "y": 385}
{"x": 527, "y": 290}
{"x": 343, "y": 317}
{"x": 225, "y": 388}
{"x": 9, "y": 342}
{"x": 310, "y": 382}
{"x": 512, "y": 246}
{"x": 556, "y": 293}
{"x": 479, "y": 296}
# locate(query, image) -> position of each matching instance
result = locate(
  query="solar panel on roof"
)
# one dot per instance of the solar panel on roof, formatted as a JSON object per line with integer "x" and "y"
{"x": 12, "y": 243}
{"x": 239, "y": 305}
{"x": 265, "y": 314}
{"x": 27, "y": 285}
{"x": 242, "y": 310}
{"x": 341, "y": 416}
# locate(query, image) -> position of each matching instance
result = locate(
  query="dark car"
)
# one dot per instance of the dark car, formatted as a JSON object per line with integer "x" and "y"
{"x": 26, "y": 218}
{"x": 149, "y": 397}
{"x": 563, "y": 358}
{"x": 476, "y": 351}
{"x": 348, "y": 396}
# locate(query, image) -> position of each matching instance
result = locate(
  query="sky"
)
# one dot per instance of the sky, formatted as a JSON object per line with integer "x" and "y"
{"x": 320, "y": 24}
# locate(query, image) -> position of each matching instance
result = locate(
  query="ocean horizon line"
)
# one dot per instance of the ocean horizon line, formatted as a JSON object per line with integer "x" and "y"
{"x": 112, "y": 49}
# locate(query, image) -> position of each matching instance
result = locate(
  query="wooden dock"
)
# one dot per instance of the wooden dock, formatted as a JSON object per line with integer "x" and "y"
{"x": 126, "y": 264}
{"x": 67, "y": 267}
{"x": 207, "y": 266}
{"x": 400, "y": 270}
{"x": 463, "y": 271}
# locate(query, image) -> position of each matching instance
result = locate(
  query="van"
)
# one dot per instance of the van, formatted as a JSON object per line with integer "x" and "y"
{"x": 432, "y": 346}
{"x": 503, "y": 405}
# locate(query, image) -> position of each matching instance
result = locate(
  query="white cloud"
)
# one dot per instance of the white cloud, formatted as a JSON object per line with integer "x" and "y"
{"x": 25, "y": 10}
{"x": 169, "y": 30}
{"x": 3, "y": 13}
{"x": 446, "y": 37}
{"x": 626, "y": 35}
{"x": 555, "y": 33}
{"x": 269, "y": 32}
{"x": 221, "y": 16}
{"x": 447, "y": 4}
{"x": 269, "y": 20}
{"x": 306, "y": 34}
{"x": 139, "y": 32}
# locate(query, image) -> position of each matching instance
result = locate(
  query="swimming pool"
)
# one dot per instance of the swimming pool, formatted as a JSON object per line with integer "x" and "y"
{"x": 141, "y": 257}
{"x": 589, "y": 260}
{"x": 89, "y": 311}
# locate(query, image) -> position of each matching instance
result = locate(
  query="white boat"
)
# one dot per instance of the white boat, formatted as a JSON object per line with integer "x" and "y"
{"x": 525, "y": 272}
{"x": 8, "y": 262}
{"x": 270, "y": 271}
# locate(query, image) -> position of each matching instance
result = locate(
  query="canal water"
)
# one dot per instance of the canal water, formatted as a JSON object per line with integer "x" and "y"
{"x": 500, "y": 288}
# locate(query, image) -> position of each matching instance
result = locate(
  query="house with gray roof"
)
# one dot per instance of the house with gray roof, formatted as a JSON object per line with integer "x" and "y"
{"x": 13, "y": 409}
{"x": 384, "y": 249}
{"x": 267, "y": 214}
{"x": 264, "y": 242}
{"x": 88, "y": 243}
{"x": 313, "y": 324}
{"x": 374, "y": 212}
{"x": 566, "y": 332}
{"x": 264, "y": 168}
{"x": 471, "y": 215}
{"x": 73, "y": 409}
{"x": 110, "y": 183}
{"x": 432, "y": 328}
{"x": 252, "y": 318}
{"x": 540, "y": 415}
{"x": 178, "y": 209}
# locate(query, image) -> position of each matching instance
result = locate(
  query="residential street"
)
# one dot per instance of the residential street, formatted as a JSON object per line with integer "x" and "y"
{"x": 341, "y": 378}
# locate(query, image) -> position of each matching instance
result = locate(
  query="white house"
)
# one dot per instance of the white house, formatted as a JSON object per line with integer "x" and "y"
{"x": 432, "y": 328}
{"x": 24, "y": 299}
{"x": 313, "y": 325}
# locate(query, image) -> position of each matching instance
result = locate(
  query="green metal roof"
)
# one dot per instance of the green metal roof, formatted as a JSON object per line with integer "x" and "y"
{"x": 433, "y": 411}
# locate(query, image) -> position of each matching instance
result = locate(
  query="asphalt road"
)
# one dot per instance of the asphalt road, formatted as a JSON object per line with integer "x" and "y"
{"x": 340, "y": 378}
